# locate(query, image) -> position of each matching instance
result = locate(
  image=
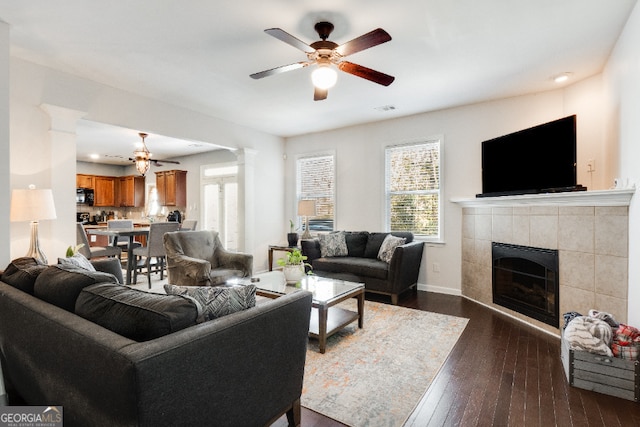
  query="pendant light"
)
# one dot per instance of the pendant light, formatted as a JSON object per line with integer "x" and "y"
{"x": 142, "y": 156}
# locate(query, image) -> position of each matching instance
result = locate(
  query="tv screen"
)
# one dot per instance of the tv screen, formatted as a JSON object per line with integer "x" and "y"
{"x": 535, "y": 160}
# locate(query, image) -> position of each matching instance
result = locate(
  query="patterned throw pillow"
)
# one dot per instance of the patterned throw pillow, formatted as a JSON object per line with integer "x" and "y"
{"x": 389, "y": 245}
{"x": 216, "y": 301}
{"x": 77, "y": 260}
{"x": 333, "y": 244}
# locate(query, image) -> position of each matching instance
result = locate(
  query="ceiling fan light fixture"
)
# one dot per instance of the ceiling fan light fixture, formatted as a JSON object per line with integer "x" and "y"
{"x": 324, "y": 77}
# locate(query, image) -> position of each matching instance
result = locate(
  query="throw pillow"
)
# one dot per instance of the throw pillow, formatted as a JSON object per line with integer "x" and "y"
{"x": 389, "y": 245}
{"x": 60, "y": 285}
{"x": 356, "y": 242}
{"x": 133, "y": 313}
{"x": 217, "y": 301}
{"x": 77, "y": 260}
{"x": 374, "y": 242}
{"x": 333, "y": 244}
{"x": 21, "y": 273}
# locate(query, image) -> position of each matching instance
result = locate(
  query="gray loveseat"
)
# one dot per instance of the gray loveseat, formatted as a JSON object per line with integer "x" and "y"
{"x": 243, "y": 369}
{"x": 361, "y": 262}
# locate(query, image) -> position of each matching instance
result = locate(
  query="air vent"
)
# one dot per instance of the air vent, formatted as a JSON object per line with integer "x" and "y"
{"x": 385, "y": 108}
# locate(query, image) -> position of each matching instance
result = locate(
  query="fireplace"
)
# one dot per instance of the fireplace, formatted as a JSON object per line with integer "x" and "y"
{"x": 525, "y": 279}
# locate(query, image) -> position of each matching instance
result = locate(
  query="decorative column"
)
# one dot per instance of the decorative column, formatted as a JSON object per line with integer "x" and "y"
{"x": 62, "y": 136}
{"x": 246, "y": 198}
{"x": 5, "y": 172}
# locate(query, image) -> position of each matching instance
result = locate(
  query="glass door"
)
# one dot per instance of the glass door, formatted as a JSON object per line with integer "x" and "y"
{"x": 220, "y": 204}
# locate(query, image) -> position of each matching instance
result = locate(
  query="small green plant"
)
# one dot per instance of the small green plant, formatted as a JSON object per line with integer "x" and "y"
{"x": 72, "y": 250}
{"x": 292, "y": 226}
{"x": 294, "y": 257}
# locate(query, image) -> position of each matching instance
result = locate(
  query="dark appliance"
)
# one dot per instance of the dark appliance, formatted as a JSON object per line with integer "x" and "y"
{"x": 174, "y": 216}
{"x": 83, "y": 217}
{"x": 84, "y": 196}
{"x": 541, "y": 159}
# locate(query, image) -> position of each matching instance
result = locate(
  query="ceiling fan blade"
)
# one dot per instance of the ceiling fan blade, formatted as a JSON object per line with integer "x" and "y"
{"x": 365, "y": 41}
{"x": 366, "y": 73}
{"x": 289, "y": 39}
{"x": 279, "y": 70}
{"x": 320, "y": 94}
{"x": 160, "y": 162}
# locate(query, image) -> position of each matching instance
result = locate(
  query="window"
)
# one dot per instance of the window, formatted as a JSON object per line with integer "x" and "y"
{"x": 316, "y": 180}
{"x": 412, "y": 188}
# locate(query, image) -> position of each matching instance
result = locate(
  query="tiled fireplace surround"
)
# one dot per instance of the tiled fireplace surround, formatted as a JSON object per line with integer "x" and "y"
{"x": 589, "y": 230}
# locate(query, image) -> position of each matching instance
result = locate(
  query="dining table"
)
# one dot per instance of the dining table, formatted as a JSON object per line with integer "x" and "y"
{"x": 116, "y": 233}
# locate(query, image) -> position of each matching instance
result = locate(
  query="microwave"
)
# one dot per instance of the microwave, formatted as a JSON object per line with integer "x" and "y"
{"x": 84, "y": 196}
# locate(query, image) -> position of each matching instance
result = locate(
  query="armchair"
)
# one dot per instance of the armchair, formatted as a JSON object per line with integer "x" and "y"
{"x": 197, "y": 258}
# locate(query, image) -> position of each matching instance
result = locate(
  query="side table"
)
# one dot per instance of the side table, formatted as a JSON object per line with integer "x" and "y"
{"x": 279, "y": 248}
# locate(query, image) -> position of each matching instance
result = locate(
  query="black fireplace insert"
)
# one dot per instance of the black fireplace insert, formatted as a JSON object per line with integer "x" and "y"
{"x": 526, "y": 280}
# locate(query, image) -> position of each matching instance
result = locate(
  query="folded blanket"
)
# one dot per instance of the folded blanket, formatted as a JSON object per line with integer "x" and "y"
{"x": 626, "y": 342}
{"x": 589, "y": 334}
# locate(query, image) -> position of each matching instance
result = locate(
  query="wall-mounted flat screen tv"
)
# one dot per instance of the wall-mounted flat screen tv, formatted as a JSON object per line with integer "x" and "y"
{"x": 540, "y": 159}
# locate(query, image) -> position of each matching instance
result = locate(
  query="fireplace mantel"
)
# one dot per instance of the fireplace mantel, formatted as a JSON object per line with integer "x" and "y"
{"x": 577, "y": 198}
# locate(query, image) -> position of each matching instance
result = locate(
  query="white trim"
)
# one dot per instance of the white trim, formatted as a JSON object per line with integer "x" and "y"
{"x": 513, "y": 317}
{"x": 439, "y": 289}
{"x": 577, "y": 198}
{"x": 439, "y": 138}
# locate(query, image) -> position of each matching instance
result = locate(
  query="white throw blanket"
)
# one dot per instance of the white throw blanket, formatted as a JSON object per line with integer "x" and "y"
{"x": 589, "y": 334}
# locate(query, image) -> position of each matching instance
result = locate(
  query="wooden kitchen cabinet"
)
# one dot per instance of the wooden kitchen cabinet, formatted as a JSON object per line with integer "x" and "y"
{"x": 172, "y": 187}
{"x": 104, "y": 191}
{"x": 132, "y": 191}
{"x": 84, "y": 181}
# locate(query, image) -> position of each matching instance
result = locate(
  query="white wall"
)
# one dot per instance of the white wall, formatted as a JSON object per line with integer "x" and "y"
{"x": 360, "y": 161}
{"x": 622, "y": 89}
{"x": 31, "y": 158}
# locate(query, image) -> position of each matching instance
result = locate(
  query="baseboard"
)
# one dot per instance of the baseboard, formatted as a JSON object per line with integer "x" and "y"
{"x": 524, "y": 322}
{"x": 439, "y": 289}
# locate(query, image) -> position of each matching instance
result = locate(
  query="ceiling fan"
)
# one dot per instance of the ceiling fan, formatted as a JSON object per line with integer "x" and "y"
{"x": 325, "y": 53}
{"x": 142, "y": 157}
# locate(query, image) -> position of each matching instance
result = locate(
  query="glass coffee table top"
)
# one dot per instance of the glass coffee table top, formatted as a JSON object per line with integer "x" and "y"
{"x": 326, "y": 317}
{"x": 324, "y": 290}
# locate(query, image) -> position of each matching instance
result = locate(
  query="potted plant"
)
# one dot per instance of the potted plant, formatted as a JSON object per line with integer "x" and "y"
{"x": 292, "y": 236}
{"x": 293, "y": 265}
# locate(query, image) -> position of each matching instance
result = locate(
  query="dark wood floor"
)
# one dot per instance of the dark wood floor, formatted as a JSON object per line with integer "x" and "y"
{"x": 500, "y": 373}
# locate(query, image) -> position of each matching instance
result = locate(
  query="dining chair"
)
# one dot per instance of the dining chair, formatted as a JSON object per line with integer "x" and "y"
{"x": 119, "y": 224}
{"x": 94, "y": 251}
{"x": 189, "y": 224}
{"x": 153, "y": 249}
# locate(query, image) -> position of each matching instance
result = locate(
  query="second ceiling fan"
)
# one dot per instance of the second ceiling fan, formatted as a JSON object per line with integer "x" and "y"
{"x": 325, "y": 53}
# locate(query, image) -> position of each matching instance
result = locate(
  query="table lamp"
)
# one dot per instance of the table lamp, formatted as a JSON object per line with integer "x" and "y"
{"x": 33, "y": 205}
{"x": 306, "y": 208}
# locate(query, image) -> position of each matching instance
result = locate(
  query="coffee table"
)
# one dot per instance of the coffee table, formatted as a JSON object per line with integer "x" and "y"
{"x": 326, "y": 318}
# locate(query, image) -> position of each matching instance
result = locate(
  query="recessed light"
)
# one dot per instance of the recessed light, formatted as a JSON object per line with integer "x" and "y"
{"x": 94, "y": 156}
{"x": 561, "y": 78}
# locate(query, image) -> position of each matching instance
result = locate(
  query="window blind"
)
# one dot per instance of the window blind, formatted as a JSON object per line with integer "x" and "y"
{"x": 316, "y": 181}
{"x": 413, "y": 188}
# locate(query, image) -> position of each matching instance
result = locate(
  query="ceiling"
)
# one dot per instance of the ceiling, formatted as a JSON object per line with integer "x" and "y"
{"x": 199, "y": 54}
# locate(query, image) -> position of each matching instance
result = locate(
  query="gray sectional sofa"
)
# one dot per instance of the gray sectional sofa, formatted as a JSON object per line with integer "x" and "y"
{"x": 243, "y": 369}
{"x": 360, "y": 260}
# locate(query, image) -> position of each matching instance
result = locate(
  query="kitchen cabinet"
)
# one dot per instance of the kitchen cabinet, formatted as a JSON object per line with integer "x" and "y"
{"x": 84, "y": 181}
{"x": 132, "y": 191}
{"x": 172, "y": 187}
{"x": 104, "y": 191}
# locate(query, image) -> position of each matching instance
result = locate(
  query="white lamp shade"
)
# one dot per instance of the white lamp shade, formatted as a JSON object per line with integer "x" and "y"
{"x": 307, "y": 208}
{"x": 32, "y": 205}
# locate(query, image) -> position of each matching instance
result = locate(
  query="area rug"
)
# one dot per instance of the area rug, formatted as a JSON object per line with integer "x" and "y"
{"x": 377, "y": 375}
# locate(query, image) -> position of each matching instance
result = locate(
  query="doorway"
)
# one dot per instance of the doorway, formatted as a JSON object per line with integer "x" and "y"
{"x": 220, "y": 202}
